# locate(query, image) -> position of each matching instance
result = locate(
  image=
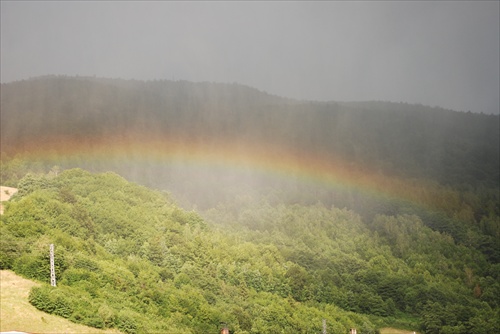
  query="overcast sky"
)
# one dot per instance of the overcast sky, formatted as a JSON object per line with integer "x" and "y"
{"x": 435, "y": 53}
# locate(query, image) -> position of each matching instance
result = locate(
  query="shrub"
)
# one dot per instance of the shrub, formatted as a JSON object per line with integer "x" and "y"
{"x": 51, "y": 300}
{"x": 107, "y": 315}
{"x": 33, "y": 267}
{"x": 94, "y": 321}
{"x": 72, "y": 276}
{"x": 39, "y": 298}
{"x": 9, "y": 250}
{"x": 126, "y": 321}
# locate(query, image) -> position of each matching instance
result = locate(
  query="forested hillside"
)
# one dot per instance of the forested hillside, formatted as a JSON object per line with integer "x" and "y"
{"x": 130, "y": 258}
{"x": 268, "y": 214}
{"x": 395, "y": 138}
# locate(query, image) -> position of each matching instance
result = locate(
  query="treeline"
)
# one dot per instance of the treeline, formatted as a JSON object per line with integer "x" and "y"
{"x": 129, "y": 258}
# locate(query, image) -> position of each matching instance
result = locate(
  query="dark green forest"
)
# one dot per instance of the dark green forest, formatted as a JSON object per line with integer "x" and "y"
{"x": 153, "y": 247}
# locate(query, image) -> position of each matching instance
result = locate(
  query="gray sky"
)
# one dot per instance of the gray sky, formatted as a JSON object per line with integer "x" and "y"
{"x": 436, "y": 53}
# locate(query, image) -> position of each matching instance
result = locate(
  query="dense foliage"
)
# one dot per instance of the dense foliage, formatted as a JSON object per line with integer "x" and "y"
{"x": 129, "y": 258}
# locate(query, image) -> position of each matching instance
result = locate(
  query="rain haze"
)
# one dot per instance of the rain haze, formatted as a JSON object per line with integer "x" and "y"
{"x": 442, "y": 54}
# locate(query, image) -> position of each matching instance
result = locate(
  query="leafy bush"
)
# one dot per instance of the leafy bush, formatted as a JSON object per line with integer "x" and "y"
{"x": 33, "y": 267}
{"x": 127, "y": 321}
{"x": 51, "y": 300}
{"x": 10, "y": 249}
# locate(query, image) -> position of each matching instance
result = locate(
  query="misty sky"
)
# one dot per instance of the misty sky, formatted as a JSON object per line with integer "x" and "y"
{"x": 435, "y": 53}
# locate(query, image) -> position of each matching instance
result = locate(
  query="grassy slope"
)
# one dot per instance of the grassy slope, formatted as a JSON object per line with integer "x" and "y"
{"x": 17, "y": 314}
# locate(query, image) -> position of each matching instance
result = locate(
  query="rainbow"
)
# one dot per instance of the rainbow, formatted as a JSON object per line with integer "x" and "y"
{"x": 237, "y": 155}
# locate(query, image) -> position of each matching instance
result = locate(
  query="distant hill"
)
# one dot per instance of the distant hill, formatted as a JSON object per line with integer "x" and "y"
{"x": 412, "y": 140}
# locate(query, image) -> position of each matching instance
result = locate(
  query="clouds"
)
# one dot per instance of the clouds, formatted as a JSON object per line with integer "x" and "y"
{"x": 434, "y": 53}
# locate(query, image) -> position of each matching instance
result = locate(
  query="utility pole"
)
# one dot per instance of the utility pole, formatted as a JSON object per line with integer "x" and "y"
{"x": 52, "y": 269}
{"x": 324, "y": 326}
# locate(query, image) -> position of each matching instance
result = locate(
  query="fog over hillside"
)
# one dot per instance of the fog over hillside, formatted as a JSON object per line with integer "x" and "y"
{"x": 395, "y": 138}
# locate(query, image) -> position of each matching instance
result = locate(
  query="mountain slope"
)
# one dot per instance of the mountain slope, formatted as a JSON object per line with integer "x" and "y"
{"x": 127, "y": 257}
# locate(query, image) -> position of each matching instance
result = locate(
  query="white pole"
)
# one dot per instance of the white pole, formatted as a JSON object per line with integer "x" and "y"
{"x": 52, "y": 269}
